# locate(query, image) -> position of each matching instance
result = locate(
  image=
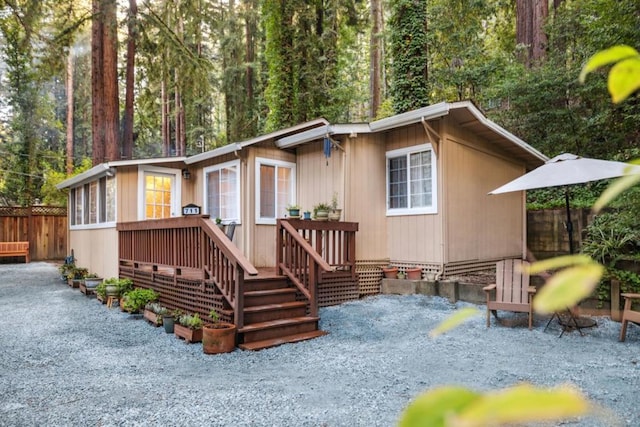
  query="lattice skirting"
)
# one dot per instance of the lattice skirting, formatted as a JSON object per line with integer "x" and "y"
{"x": 188, "y": 295}
{"x": 370, "y": 275}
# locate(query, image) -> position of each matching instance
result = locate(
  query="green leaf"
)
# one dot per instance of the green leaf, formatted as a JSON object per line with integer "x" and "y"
{"x": 436, "y": 407}
{"x": 624, "y": 79}
{"x": 614, "y": 190}
{"x": 454, "y": 320}
{"x": 605, "y": 57}
{"x": 523, "y": 404}
{"x": 568, "y": 287}
{"x": 558, "y": 262}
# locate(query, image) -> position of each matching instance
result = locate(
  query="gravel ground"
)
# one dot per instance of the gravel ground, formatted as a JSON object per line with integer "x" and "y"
{"x": 68, "y": 360}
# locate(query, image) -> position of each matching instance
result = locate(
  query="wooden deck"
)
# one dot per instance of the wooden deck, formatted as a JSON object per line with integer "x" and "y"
{"x": 194, "y": 267}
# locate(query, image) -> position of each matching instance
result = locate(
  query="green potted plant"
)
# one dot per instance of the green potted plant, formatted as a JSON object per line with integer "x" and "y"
{"x": 294, "y": 211}
{"x": 136, "y": 299}
{"x": 92, "y": 280}
{"x": 321, "y": 212}
{"x": 335, "y": 213}
{"x": 76, "y": 275}
{"x": 169, "y": 320}
{"x": 101, "y": 292}
{"x": 189, "y": 327}
{"x": 218, "y": 337}
{"x": 66, "y": 271}
{"x": 219, "y": 223}
{"x": 154, "y": 312}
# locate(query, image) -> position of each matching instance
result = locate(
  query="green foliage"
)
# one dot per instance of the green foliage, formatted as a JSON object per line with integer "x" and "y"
{"x": 101, "y": 290}
{"x": 123, "y": 285}
{"x": 136, "y": 299}
{"x": 410, "y": 86}
{"x": 191, "y": 321}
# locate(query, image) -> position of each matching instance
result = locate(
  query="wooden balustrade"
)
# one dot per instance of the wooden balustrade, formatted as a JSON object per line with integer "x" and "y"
{"x": 190, "y": 247}
{"x": 308, "y": 251}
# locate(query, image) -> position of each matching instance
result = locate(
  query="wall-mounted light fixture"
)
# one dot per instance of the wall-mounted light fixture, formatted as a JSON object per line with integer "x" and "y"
{"x": 186, "y": 174}
{"x": 110, "y": 172}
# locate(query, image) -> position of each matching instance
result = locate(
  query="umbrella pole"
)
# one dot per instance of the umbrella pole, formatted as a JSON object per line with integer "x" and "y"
{"x": 569, "y": 223}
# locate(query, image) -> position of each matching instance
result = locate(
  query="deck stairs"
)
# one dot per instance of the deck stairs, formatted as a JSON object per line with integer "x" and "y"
{"x": 272, "y": 316}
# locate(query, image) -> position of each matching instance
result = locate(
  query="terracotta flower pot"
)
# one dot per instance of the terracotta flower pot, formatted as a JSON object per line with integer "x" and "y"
{"x": 390, "y": 272}
{"x": 414, "y": 273}
{"x": 218, "y": 339}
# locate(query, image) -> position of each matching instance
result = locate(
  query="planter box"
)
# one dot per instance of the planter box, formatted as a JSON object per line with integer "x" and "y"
{"x": 189, "y": 335}
{"x": 153, "y": 318}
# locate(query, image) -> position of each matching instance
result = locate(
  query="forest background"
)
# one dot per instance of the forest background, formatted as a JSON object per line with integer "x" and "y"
{"x": 85, "y": 82}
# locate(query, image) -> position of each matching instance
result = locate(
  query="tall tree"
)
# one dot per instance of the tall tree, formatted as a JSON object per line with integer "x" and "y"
{"x": 104, "y": 74}
{"x": 410, "y": 85}
{"x": 127, "y": 129}
{"x": 375, "y": 53}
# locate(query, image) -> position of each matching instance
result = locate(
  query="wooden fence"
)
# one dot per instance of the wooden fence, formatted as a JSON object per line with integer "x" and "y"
{"x": 44, "y": 227}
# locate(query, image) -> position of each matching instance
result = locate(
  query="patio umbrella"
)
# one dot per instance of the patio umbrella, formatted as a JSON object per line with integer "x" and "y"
{"x": 564, "y": 170}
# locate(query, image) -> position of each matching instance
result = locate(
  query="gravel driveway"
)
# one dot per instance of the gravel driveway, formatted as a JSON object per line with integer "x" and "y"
{"x": 67, "y": 360}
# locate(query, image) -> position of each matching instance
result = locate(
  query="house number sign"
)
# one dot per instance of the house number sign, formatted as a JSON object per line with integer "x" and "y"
{"x": 191, "y": 209}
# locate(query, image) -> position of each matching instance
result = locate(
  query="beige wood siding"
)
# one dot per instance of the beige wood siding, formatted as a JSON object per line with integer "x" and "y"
{"x": 127, "y": 193}
{"x": 96, "y": 249}
{"x": 318, "y": 178}
{"x": 480, "y": 226}
{"x": 260, "y": 240}
{"x": 414, "y": 238}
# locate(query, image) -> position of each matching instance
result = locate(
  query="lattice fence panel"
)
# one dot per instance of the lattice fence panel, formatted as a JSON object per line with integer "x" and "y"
{"x": 370, "y": 275}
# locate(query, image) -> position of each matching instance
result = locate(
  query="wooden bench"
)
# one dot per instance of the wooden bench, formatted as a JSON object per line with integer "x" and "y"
{"x": 10, "y": 249}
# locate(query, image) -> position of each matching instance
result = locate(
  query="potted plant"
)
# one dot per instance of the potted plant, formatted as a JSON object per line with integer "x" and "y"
{"x": 390, "y": 272}
{"x": 91, "y": 281}
{"x": 76, "y": 275}
{"x": 401, "y": 275}
{"x": 66, "y": 271}
{"x": 321, "y": 212}
{"x": 294, "y": 211}
{"x": 335, "y": 213}
{"x": 219, "y": 223}
{"x": 101, "y": 292}
{"x": 414, "y": 273}
{"x": 218, "y": 337}
{"x": 169, "y": 320}
{"x": 306, "y": 215}
{"x": 154, "y": 312}
{"x": 189, "y": 327}
{"x": 137, "y": 299}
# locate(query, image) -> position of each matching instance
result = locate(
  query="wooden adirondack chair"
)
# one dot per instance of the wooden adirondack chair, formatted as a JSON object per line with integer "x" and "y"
{"x": 512, "y": 290}
{"x": 629, "y": 315}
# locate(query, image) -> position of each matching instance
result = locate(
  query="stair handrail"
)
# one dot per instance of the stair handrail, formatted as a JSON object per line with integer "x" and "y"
{"x": 304, "y": 277}
{"x": 215, "y": 268}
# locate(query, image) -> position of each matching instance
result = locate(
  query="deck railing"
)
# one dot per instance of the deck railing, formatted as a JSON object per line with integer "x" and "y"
{"x": 191, "y": 247}
{"x": 307, "y": 251}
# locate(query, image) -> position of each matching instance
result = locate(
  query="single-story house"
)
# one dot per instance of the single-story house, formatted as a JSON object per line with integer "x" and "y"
{"x": 415, "y": 183}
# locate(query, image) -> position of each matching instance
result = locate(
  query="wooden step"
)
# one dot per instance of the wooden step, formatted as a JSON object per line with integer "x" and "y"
{"x": 259, "y": 345}
{"x": 269, "y": 296}
{"x": 277, "y": 328}
{"x": 263, "y": 284}
{"x": 263, "y": 313}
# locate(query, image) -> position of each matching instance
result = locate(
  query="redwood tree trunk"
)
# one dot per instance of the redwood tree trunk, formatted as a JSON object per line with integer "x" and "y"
{"x": 127, "y": 131}
{"x": 97, "y": 84}
{"x": 69, "y": 147}
{"x": 375, "y": 71}
{"x": 111, "y": 102}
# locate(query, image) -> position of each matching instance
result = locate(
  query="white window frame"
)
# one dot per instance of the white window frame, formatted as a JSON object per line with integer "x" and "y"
{"x": 176, "y": 189}
{"x": 205, "y": 196}
{"x": 80, "y": 190}
{"x": 292, "y": 189}
{"x": 433, "y": 209}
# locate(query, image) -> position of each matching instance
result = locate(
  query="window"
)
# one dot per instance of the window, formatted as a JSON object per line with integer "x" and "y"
{"x": 276, "y": 189}
{"x": 93, "y": 203}
{"x": 411, "y": 181}
{"x": 160, "y": 189}
{"x": 222, "y": 191}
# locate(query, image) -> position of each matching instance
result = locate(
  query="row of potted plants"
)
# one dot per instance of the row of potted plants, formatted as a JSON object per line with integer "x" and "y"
{"x": 411, "y": 273}
{"x": 216, "y": 336}
{"x": 321, "y": 212}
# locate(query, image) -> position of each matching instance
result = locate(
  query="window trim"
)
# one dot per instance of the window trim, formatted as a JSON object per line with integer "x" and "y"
{"x": 407, "y": 151}
{"x": 101, "y": 201}
{"x": 205, "y": 195}
{"x": 292, "y": 190}
{"x": 176, "y": 190}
